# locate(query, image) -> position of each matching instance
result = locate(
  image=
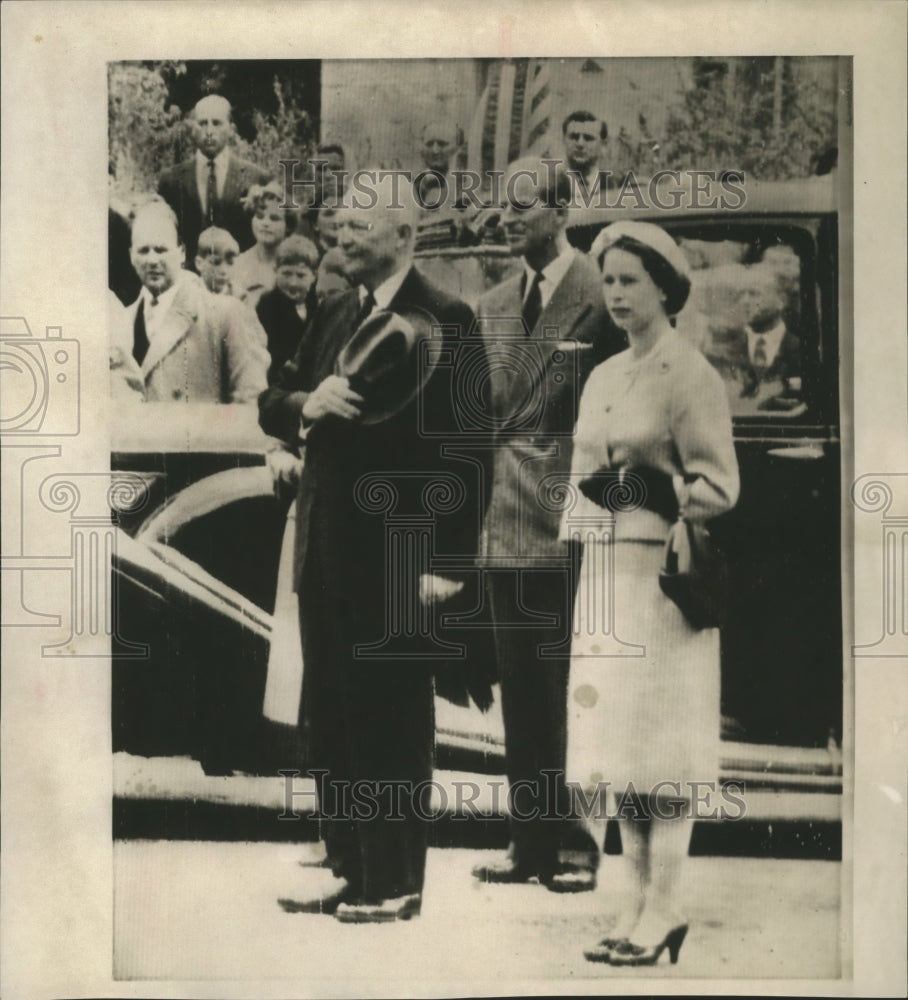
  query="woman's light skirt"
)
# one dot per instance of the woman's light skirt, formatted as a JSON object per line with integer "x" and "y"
{"x": 648, "y": 717}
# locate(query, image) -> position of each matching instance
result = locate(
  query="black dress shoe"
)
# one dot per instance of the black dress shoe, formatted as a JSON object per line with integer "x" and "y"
{"x": 326, "y": 902}
{"x": 506, "y": 870}
{"x": 383, "y": 912}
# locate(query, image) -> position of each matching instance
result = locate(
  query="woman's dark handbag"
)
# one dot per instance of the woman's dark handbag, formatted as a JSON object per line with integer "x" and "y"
{"x": 694, "y": 575}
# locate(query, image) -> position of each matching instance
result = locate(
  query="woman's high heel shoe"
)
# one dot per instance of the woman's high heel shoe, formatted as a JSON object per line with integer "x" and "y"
{"x": 628, "y": 953}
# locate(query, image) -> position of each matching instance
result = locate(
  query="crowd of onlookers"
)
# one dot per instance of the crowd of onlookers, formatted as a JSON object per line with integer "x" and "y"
{"x": 221, "y": 222}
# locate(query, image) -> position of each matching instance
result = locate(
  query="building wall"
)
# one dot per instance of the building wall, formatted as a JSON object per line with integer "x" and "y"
{"x": 377, "y": 108}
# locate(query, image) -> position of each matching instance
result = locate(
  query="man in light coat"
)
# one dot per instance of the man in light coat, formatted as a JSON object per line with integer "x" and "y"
{"x": 189, "y": 345}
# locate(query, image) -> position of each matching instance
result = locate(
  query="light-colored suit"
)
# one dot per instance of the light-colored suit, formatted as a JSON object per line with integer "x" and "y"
{"x": 666, "y": 412}
{"x": 535, "y": 384}
{"x": 204, "y": 351}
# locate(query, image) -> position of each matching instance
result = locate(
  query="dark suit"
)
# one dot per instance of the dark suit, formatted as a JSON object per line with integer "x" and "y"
{"x": 179, "y": 188}
{"x": 370, "y": 719}
{"x": 733, "y": 362}
{"x": 283, "y": 326}
{"x": 535, "y": 390}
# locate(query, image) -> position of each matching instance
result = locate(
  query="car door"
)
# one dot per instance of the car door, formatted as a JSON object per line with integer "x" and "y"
{"x": 782, "y": 646}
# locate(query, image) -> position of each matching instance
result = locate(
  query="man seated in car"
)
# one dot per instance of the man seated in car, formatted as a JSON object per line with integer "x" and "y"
{"x": 773, "y": 351}
{"x": 759, "y": 354}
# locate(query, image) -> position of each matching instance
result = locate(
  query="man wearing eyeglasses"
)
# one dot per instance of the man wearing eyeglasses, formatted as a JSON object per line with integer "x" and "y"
{"x": 544, "y": 330}
{"x": 370, "y": 720}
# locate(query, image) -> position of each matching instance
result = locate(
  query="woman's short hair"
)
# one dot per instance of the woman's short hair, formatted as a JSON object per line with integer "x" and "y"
{"x": 296, "y": 250}
{"x": 661, "y": 257}
{"x": 260, "y": 197}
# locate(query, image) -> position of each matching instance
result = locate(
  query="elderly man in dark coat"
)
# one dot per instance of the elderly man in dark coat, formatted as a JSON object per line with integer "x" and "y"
{"x": 382, "y": 505}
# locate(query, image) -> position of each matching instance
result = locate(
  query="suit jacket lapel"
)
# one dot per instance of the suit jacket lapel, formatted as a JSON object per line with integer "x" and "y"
{"x": 567, "y": 306}
{"x": 176, "y": 324}
{"x": 231, "y": 181}
{"x": 411, "y": 291}
{"x": 338, "y": 330}
{"x": 188, "y": 181}
{"x": 237, "y": 180}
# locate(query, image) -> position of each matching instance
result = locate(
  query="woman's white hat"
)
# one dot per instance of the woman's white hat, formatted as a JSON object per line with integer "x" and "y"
{"x": 647, "y": 233}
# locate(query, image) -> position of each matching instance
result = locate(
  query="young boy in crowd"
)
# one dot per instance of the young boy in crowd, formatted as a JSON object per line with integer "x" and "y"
{"x": 214, "y": 260}
{"x": 286, "y": 309}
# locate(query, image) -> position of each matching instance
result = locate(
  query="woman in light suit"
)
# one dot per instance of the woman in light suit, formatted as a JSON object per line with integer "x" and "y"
{"x": 646, "y": 723}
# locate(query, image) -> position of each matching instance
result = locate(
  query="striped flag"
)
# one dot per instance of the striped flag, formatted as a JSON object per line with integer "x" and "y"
{"x": 495, "y": 137}
{"x": 538, "y": 109}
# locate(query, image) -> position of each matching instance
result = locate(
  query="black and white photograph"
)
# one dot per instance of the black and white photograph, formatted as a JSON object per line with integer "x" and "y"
{"x": 477, "y": 566}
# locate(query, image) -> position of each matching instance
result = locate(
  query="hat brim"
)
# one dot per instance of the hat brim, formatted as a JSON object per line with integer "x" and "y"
{"x": 387, "y": 362}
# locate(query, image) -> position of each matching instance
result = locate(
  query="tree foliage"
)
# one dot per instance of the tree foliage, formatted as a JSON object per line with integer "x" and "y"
{"x": 148, "y": 133}
{"x": 145, "y": 134}
{"x": 774, "y": 118}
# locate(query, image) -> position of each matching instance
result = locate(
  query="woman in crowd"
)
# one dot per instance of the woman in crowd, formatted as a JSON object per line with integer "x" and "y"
{"x": 646, "y": 726}
{"x": 253, "y": 271}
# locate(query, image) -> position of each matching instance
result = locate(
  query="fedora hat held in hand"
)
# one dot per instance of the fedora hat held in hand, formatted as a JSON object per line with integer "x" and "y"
{"x": 386, "y": 363}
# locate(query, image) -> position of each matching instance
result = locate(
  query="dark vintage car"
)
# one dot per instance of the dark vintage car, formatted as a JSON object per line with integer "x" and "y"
{"x": 196, "y": 564}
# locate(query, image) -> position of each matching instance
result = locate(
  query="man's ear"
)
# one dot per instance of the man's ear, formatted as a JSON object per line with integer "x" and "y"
{"x": 198, "y": 261}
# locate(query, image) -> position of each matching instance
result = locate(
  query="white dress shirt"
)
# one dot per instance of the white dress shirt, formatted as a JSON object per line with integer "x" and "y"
{"x": 386, "y": 291}
{"x": 155, "y": 309}
{"x": 552, "y": 274}
{"x": 772, "y": 341}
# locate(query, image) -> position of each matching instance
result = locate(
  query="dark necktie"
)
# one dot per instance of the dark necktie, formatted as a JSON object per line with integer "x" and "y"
{"x": 366, "y": 307}
{"x": 532, "y": 304}
{"x": 140, "y": 335}
{"x": 760, "y": 353}
{"x": 211, "y": 193}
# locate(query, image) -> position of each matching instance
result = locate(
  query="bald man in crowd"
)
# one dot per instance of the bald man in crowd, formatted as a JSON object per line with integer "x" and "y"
{"x": 208, "y": 188}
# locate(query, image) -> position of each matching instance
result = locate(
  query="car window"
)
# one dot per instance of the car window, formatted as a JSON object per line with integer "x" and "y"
{"x": 745, "y": 313}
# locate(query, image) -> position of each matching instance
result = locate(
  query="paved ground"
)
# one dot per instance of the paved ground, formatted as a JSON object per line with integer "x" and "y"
{"x": 206, "y": 910}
